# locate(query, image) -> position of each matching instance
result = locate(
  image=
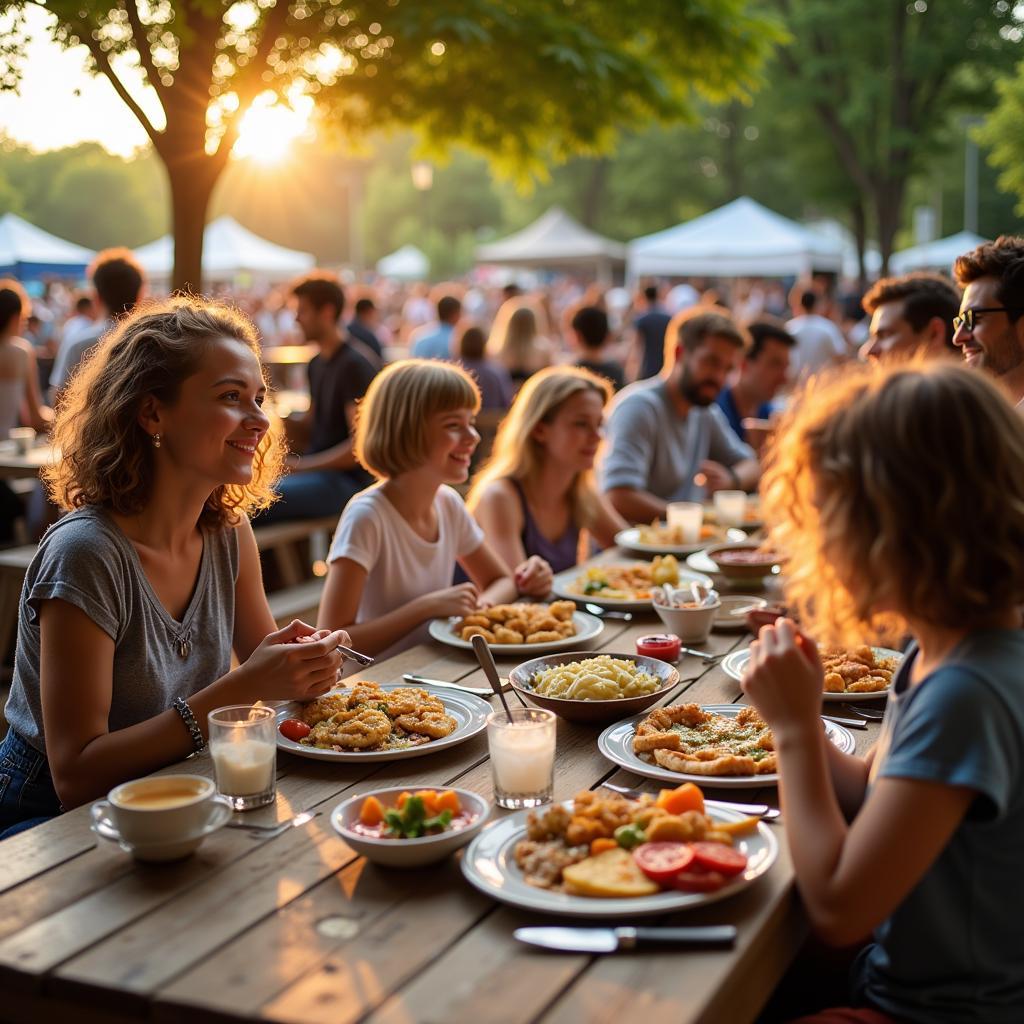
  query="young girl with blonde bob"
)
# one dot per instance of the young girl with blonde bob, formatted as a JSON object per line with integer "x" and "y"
{"x": 398, "y": 542}
{"x": 898, "y": 496}
{"x": 536, "y": 494}
{"x": 136, "y": 599}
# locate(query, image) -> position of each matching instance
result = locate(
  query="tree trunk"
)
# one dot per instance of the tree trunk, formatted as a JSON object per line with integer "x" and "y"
{"x": 594, "y": 193}
{"x": 888, "y": 201}
{"x": 191, "y": 189}
{"x": 860, "y": 235}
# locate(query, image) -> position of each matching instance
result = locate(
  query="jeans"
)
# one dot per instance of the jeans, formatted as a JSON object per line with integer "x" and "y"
{"x": 27, "y": 796}
{"x": 324, "y": 492}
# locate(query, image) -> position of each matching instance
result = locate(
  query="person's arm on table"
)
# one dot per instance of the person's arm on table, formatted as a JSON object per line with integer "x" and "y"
{"x": 731, "y": 464}
{"x": 76, "y": 659}
{"x": 636, "y": 505}
{"x": 607, "y": 522}
{"x": 851, "y": 876}
{"x": 343, "y": 592}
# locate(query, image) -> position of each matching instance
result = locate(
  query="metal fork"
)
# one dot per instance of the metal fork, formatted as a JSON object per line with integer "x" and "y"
{"x": 871, "y": 713}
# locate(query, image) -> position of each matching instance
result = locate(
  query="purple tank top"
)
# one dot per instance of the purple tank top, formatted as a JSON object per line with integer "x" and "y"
{"x": 560, "y": 554}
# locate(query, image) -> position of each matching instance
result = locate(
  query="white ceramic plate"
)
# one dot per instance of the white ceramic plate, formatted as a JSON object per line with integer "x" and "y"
{"x": 736, "y": 662}
{"x": 587, "y": 627}
{"x": 616, "y": 743}
{"x": 468, "y": 710}
{"x": 630, "y": 539}
{"x": 564, "y": 580}
{"x": 711, "y": 516}
{"x": 701, "y": 561}
{"x": 489, "y": 865}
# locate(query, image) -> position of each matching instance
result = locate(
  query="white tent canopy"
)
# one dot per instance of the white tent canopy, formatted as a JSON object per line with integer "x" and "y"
{"x": 557, "y": 241}
{"x": 27, "y": 251}
{"x": 229, "y": 251}
{"x": 937, "y": 255}
{"x": 405, "y": 264}
{"x": 741, "y": 239}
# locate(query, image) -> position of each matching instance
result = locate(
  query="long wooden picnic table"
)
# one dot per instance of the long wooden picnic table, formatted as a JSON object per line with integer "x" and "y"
{"x": 298, "y": 928}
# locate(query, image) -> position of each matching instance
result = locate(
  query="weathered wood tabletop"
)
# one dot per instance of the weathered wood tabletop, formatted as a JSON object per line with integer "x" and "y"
{"x": 14, "y": 466}
{"x": 297, "y": 928}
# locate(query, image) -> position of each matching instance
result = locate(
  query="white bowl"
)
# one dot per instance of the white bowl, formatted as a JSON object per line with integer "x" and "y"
{"x": 725, "y": 621}
{"x": 407, "y": 853}
{"x": 691, "y": 625}
{"x": 218, "y": 813}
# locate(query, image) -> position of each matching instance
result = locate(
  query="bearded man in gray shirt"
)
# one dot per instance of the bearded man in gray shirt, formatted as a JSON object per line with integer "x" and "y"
{"x": 666, "y": 439}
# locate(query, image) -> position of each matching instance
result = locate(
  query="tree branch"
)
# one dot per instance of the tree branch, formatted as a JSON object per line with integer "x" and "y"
{"x": 141, "y": 38}
{"x": 103, "y": 63}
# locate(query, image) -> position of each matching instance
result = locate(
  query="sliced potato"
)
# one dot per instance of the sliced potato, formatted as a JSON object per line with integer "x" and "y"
{"x": 612, "y": 874}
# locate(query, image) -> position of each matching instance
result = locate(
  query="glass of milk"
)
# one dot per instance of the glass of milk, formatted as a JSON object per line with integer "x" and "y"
{"x": 522, "y": 757}
{"x": 243, "y": 745}
{"x": 687, "y": 517}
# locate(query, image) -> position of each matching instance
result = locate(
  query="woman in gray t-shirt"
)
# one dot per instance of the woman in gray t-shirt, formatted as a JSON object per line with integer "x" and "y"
{"x": 135, "y": 600}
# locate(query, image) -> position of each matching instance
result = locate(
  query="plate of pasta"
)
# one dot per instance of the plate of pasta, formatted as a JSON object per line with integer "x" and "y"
{"x": 627, "y": 586}
{"x": 851, "y": 674}
{"x": 521, "y": 628}
{"x": 586, "y": 687}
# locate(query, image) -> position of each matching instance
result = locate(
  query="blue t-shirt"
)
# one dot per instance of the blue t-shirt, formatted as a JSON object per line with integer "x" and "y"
{"x": 727, "y": 403}
{"x": 953, "y": 951}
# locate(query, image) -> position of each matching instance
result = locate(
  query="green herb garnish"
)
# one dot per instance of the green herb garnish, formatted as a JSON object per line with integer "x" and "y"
{"x": 411, "y": 822}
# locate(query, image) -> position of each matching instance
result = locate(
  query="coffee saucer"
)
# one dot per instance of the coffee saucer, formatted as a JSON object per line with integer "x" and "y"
{"x": 220, "y": 814}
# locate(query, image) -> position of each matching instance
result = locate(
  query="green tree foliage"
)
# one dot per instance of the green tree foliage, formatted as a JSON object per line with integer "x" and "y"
{"x": 525, "y": 82}
{"x": 879, "y": 80}
{"x": 1003, "y": 132}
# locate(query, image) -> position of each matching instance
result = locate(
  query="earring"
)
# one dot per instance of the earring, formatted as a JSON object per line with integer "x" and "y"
{"x": 157, "y": 440}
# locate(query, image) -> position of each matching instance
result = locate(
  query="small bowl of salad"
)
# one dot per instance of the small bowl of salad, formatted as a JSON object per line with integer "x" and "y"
{"x": 402, "y": 828}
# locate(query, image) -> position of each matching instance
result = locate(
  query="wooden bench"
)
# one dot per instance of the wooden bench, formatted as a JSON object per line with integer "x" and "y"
{"x": 282, "y": 540}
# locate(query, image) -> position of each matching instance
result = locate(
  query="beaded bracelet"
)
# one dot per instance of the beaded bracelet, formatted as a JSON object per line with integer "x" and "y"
{"x": 191, "y": 724}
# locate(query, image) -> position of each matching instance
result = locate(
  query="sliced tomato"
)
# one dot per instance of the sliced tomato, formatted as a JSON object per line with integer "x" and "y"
{"x": 294, "y": 730}
{"x": 719, "y": 857}
{"x": 699, "y": 880}
{"x": 661, "y": 862}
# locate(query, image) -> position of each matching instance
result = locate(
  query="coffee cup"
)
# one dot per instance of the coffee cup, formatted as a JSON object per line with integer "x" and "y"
{"x": 24, "y": 438}
{"x": 162, "y": 810}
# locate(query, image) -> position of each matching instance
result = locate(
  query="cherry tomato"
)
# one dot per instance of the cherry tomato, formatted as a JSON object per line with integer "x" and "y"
{"x": 719, "y": 857}
{"x": 699, "y": 880}
{"x": 294, "y": 730}
{"x": 661, "y": 862}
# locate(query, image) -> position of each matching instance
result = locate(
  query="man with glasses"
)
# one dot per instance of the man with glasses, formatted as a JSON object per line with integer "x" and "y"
{"x": 990, "y": 328}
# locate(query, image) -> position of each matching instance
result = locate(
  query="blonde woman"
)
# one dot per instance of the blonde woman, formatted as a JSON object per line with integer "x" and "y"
{"x": 398, "y": 542}
{"x": 536, "y": 496}
{"x": 898, "y": 496}
{"x": 136, "y": 599}
{"x": 516, "y": 343}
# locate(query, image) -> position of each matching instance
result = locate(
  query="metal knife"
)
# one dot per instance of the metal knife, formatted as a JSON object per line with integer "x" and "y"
{"x": 480, "y": 691}
{"x": 607, "y": 613}
{"x": 850, "y": 723}
{"x": 609, "y": 940}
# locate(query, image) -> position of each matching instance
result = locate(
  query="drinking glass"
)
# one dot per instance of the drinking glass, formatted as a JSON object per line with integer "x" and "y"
{"x": 522, "y": 757}
{"x": 243, "y": 745}
{"x": 731, "y": 507}
{"x": 688, "y": 516}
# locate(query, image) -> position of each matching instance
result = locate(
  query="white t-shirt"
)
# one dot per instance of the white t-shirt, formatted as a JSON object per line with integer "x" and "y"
{"x": 399, "y": 563}
{"x": 818, "y": 342}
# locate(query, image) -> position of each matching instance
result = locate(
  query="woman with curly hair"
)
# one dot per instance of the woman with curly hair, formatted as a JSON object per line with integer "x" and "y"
{"x": 135, "y": 600}
{"x": 898, "y": 496}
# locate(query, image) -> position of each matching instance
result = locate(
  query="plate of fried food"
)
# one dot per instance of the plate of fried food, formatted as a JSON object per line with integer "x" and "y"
{"x": 584, "y": 687}
{"x": 851, "y": 673}
{"x": 604, "y": 856}
{"x": 721, "y": 745}
{"x": 752, "y": 518}
{"x": 659, "y": 538}
{"x": 370, "y": 722}
{"x": 625, "y": 586}
{"x": 521, "y": 628}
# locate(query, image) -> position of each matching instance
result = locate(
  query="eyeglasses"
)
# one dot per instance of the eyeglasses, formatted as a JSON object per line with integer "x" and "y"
{"x": 969, "y": 317}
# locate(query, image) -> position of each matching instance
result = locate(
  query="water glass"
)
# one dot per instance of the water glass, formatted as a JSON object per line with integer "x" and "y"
{"x": 688, "y": 517}
{"x": 243, "y": 745}
{"x": 731, "y": 507}
{"x": 522, "y": 757}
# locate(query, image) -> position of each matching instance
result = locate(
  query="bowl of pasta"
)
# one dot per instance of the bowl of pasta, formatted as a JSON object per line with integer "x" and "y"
{"x": 585, "y": 687}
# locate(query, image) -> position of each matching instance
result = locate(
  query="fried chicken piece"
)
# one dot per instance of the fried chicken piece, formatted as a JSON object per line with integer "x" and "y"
{"x": 324, "y": 707}
{"x": 834, "y": 683}
{"x": 366, "y": 692}
{"x": 354, "y": 731}
{"x": 566, "y": 629}
{"x": 504, "y": 635}
{"x": 518, "y": 624}
{"x": 869, "y": 684}
{"x": 543, "y": 636}
{"x": 474, "y": 620}
{"x": 408, "y": 700}
{"x": 433, "y": 724}
{"x": 471, "y": 631}
{"x": 562, "y": 610}
{"x": 549, "y": 825}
